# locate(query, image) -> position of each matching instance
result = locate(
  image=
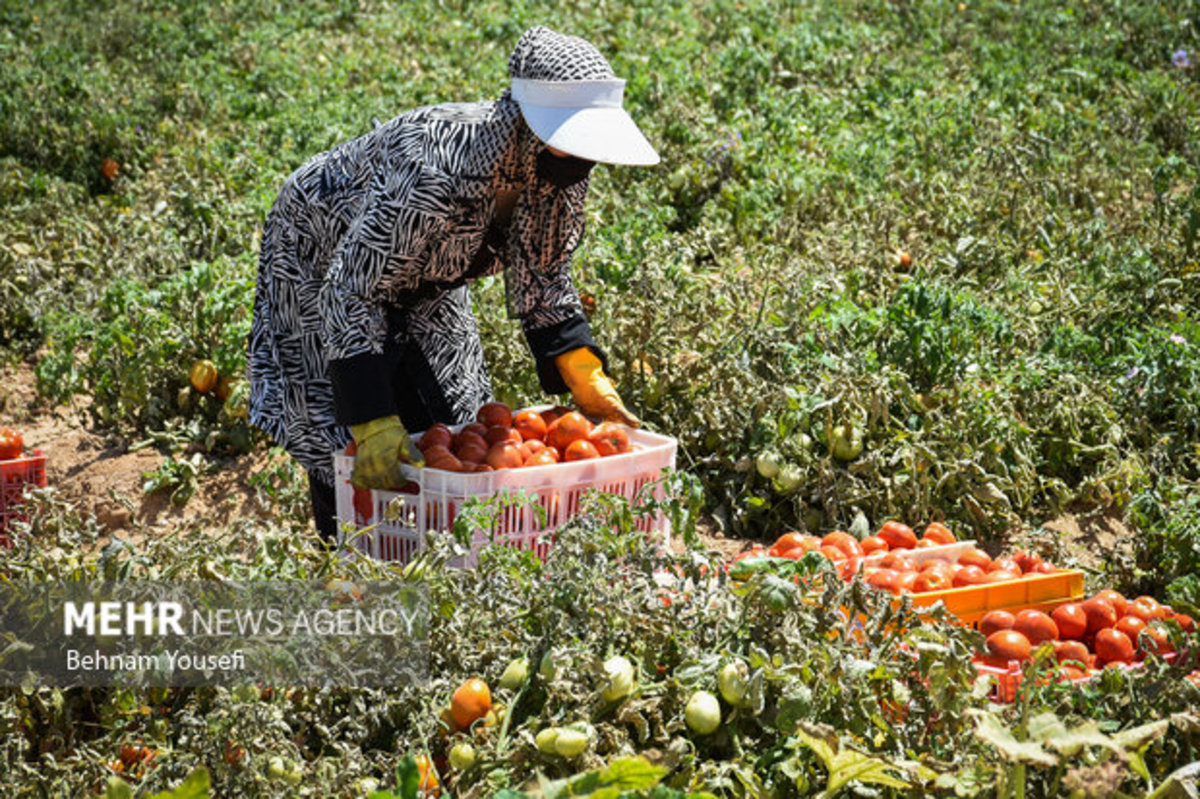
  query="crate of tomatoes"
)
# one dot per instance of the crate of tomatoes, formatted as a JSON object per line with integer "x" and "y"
{"x": 1103, "y": 631}
{"x": 553, "y": 455}
{"x": 17, "y": 471}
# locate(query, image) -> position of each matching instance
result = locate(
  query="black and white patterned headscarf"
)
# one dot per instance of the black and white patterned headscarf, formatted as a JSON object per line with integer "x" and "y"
{"x": 547, "y": 223}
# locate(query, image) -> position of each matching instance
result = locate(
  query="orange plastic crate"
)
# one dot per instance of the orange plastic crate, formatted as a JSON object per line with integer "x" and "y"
{"x": 1008, "y": 681}
{"x": 15, "y": 475}
{"x": 1039, "y": 592}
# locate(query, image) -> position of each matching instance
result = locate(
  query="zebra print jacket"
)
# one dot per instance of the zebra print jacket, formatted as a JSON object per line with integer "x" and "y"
{"x": 361, "y": 294}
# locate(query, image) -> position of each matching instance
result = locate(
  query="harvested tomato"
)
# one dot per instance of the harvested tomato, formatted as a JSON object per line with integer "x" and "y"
{"x": 439, "y": 435}
{"x": 543, "y": 458}
{"x": 1002, "y": 575}
{"x": 529, "y": 424}
{"x": 1113, "y": 646}
{"x": 498, "y": 433}
{"x": 1185, "y": 621}
{"x": 505, "y": 455}
{"x": 938, "y": 533}
{"x": 609, "y": 439}
{"x": 1025, "y": 561}
{"x": 1101, "y": 615}
{"x": 969, "y": 575}
{"x": 975, "y": 557}
{"x": 1036, "y": 626}
{"x": 898, "y": 536}
{"x": 932, "y": 580}
{"x": 833, "y": 553}
{"x": 471, "y": 701}
{"x": 1145, "y": 608}
{"x": 1071, "y": 620}
{"x": 580, "y": 450}
{"x": 1131, "y": 626}
{"x": 1004, "y": 564}
{"x": 11, "y": 444}
{"x": 897, "y": 561}
{"x": 567, "y": 428}
{"x": 1160, "y": 638}
{"x": 1116, "y": 599}
{"x": 494, "y": 414}
{"x": 787, "y": 541}
{"x": 553, "y": 414}
{"x": 872, "y": 544}
{"x": 926, "y": 543}
{"x": 996, "y": 620}
{"x": 471, "y": 452}
{"x": 843, "y": 541}
{"x": 1006, "y": 645}
{"x": 885, "y": 579}
{"x": 906, "y": 581}
{"x": 1072, "y": 651}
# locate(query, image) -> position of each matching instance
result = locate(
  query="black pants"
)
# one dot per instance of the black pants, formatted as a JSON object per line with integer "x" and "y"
{"x": 324, "y": 508}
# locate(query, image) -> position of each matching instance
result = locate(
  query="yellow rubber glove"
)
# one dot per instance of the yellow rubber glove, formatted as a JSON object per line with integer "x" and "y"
{"x": 382, "y": 443}
{"x": 593, "y": 392}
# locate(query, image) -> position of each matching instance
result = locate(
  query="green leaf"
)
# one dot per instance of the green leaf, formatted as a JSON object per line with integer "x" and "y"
{"x": 1138, "y": 738}
{"x": 117, "y": 788}
{"x": 1048, "y": 729}
{"x": 194, "y": 786}
{"x": 847, "y": 765}
{"x": 990, "y": 730}
{"x": 408, "y": 778}
{"x": 624, "y": 774}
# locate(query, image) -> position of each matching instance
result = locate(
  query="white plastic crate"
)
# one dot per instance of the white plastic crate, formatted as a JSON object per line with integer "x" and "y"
{"x": 433, "y": 498}
{"x": 919, "y": 555}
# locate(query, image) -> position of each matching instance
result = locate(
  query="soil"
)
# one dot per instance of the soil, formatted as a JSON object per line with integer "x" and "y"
{"x": 104, "y": 478}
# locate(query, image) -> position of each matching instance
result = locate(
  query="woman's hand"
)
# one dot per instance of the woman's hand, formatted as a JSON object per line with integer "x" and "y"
{"x": 592, "y": 390}
{"x": 382, "y": 444}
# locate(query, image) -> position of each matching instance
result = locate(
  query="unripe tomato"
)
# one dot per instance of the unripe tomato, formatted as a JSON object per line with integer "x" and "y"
{"x": 515, "y": 674}
{"x": 619, "y": 672}
{"x": 546, "y": 740}
{"x": 570, "y": 743}
{"x": 846, "y": 443}
{"x": 731, "y": 681}
{"x": 462, "y": 756}
{"x": 702, "y": 713}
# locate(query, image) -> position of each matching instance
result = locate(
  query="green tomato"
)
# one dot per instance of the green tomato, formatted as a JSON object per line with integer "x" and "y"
{"x": 847, "y": 442}
{"x": 276, "y": 769}
{"x": 546, "y": 740}
{"x": 620, "y": 679}
{"x": 462, "y": 756}
{"x": 548, "y": 666}
{"x": 732, "y": 681}
{"x": 703, "y": 713}
{"x": 570, "y": 743}
{"x": 767, "y": 464}
{"x": 789, "y": 479}
{"x": 515, "y": 674}
{"x": 294, "y": 775}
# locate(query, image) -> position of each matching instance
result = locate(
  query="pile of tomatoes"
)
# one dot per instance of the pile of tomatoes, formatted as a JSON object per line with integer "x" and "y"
{"x": 885, "y": 559}
{"x": 1093, "y": 633}
{"x": 502, "y": 439}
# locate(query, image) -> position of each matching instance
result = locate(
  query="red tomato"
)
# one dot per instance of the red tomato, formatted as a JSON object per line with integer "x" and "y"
{"x": 1101, "y": 615}
{"x": 529, "y": 424}
{"x": 609, "y": 438}
{"x": 843, "y": 541}
{"x": 872, "y": 544}
{"x": 1113, "y": 646}
{"x": 1036, "y": 626}
{"x": 1071, "y": 620}
{"x": 580, "y": 450}
{"x": 494, "y": 414}
{"x": 996, "y": 620}
{"x": 11, "y": 444}
{"x": 970, "y": 575}
{"x": 898, "y": 536}
{"x": 1006, "y": 645}
{"x": 1120, "y": 603}
{"x": 975, "y": 557}
{"x": 939, "y": 533}
{"x": 932, "y": 580}
{"x": 437, "y": 436}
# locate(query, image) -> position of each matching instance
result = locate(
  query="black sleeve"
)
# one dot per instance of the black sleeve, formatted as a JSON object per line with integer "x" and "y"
{"x": 547, "y": 342}
{"x": 362, "y": 387}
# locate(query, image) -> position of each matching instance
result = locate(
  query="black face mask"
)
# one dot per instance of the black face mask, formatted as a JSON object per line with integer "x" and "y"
{"x": 562, "y": 171}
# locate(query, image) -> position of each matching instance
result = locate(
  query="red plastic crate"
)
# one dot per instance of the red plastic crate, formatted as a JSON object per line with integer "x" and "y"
{"x": 1008, "y": 681}
{"x": 15, "y": 475}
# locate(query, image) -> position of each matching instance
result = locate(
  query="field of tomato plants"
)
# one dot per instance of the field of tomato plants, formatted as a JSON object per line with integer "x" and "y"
{"x": 920, "y": 265}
